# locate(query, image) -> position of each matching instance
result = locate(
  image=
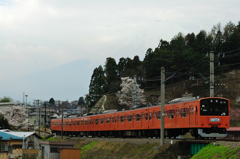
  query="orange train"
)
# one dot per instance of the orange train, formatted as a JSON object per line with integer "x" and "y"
{"x": 205, "y": 117}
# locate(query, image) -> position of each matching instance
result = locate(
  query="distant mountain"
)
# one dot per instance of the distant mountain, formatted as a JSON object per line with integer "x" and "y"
{"x": 65, "y": 82}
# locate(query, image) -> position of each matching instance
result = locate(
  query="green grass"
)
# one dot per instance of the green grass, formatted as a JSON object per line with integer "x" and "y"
{"x": 50, "y": 139}
{"x": 211, "y": 152}
{"x": 87, "y": 147}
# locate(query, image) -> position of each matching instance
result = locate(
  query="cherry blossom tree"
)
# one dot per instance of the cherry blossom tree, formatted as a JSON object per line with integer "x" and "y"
{"x": 16, "y": 116}
{"x": 125, "y": 95}
{"x": 234, "y": 114}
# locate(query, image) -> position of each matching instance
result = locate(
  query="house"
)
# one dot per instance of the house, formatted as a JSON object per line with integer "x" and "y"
{"x": 51, "y": 150}
{"x": 13, "y": 144}
{"x": 9, "y": 144}
{"x": 6, "y": 104}
{"x": 30, "y": 139}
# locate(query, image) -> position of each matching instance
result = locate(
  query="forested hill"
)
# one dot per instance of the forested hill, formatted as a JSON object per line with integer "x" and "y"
{"x": 185, "y": 55}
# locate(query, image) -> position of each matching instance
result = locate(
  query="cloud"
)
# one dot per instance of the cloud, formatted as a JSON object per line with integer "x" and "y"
{"x": 41, "y": 34}
{"x": 19, "y": 60}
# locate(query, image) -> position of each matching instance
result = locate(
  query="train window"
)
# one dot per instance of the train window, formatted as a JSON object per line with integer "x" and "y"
{"x": 101, "y": 120}
{"x": 129, "y": 118}
{"x": 108, "y": 120}
{"x": 81, "y": 122}
{"x": 184, "y": 112}
{"x": 159, "y": 115}
{"x": 171, "y": 114}
{"x": 218, "y": 107}
{"x": 122, "y": 119}
{"x": 85, "y": 122}
{"x": 96, "y": 121}
{"x": 138, "y": 117}
{"x": 115, "y": 119}
{"x": 150, "y": 116}
{"x": 146, "y": 116}
{"x": 70, "y": 123}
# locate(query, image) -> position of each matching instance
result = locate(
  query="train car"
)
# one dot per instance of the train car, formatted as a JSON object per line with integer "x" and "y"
{"x": 203, "y": 118}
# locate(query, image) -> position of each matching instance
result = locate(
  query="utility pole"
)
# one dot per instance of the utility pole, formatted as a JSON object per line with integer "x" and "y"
{"x": 38, "y": 117}
{"x": 62, "y": 119}
{"x": 23, "y": 100}
{"x": 134, "y": 90}
{"x": 45, "y": 104}
{"x": 27, "y": 111}
{"x": 162, "y": 104}
{"x": 211, "y": 74}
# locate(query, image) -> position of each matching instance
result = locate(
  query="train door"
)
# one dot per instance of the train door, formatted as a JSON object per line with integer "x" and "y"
{"x": 196, "y": 115}
{"x": 134, "y": 120}
{"x": 153, "y": 119}
{"x": 126, "y": 122}
{"x": 141, "y": 120}
{"x": 117, "y": 119}
{"x": 192, "y": 116}
{"x": 177, "y": 116}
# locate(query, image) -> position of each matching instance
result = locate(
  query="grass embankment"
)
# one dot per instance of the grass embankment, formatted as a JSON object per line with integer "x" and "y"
{"x": 221, "y": 152}
{"x": 116, "y": 150}
{"x": 103, "y": 149}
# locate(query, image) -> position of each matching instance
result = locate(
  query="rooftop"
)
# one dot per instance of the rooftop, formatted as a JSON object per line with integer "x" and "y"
{"x": 7, "y": 136}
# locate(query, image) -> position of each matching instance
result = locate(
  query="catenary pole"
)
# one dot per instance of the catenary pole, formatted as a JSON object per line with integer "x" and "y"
{"x": 211, "y": 74}
{"x": 162, "y": 103}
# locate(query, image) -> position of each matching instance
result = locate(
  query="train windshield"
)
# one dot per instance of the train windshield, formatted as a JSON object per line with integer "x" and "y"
{"x": 214, "y": 106}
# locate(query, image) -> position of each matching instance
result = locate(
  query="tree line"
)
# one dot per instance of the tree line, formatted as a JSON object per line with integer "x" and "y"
{"x": 184, "y": 55}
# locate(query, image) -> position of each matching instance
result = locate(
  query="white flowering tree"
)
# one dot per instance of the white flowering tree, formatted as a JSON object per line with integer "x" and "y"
{"x": 125, "y": 95}
{"x": 16, "y": 116}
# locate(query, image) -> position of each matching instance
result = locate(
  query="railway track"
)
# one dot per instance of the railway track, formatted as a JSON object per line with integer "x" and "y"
{"x": 146, "y": 140}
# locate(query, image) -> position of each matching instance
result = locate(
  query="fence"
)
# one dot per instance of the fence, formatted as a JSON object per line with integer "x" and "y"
{"x": 21, "y": 154}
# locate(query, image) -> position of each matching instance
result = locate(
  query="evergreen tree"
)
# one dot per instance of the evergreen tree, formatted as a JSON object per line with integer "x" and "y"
{"x": 97, "y": 85}
{"x": 52, "y": 102}
{"x": 81, "y": 101}
{"x": 112, "y": 80}
{"x": 4, "y": 122}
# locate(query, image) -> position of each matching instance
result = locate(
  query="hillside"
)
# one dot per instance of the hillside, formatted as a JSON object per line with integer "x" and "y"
{"x": 227, "y": 85}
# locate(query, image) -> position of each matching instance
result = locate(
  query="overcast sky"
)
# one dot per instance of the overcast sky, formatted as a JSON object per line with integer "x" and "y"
{"x": 39, "y": 36}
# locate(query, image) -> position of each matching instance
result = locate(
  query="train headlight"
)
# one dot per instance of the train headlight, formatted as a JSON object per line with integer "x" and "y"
{"x": 215, "y": 120}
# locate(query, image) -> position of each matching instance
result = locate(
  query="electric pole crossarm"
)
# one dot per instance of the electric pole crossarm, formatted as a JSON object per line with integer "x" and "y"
{"x": 169, "y": 77}
{"x": 205, "y": 79}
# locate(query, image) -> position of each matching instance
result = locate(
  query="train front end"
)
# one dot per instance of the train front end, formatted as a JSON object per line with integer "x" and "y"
{"x": 214, "y": 117}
